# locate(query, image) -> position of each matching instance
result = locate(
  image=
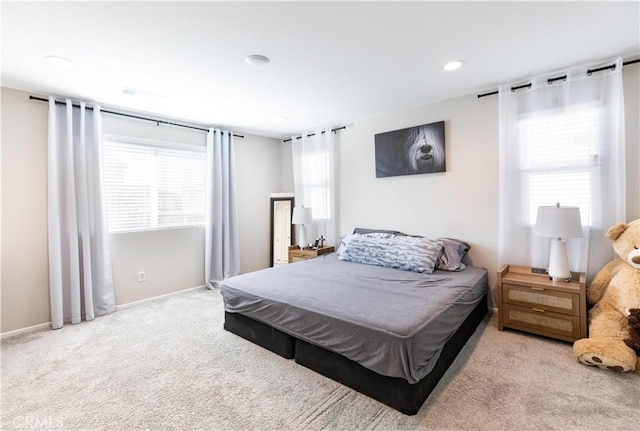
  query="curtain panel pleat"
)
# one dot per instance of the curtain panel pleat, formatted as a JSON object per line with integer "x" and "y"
{"x": 562, "y": 142}
{"x": 222, "y": 251}
{"x": 80, "y": 274}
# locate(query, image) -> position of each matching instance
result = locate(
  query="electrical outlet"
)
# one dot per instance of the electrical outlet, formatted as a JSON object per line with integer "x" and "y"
{"x": 142, "y": 276}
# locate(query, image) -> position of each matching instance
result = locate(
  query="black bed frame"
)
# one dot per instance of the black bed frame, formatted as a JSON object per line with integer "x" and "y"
{"x": 392, "y": 391}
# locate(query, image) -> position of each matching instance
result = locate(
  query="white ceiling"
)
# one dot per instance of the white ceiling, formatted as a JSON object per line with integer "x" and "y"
{"x": 331, "y": 63}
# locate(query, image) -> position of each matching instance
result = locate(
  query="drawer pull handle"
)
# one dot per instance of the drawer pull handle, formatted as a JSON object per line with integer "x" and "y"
{"x": 539, "y": 310}
{"x": 537, "y": 288}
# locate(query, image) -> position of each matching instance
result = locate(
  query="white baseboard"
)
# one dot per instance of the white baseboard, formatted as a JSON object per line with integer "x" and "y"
{"x": 21, "y": 331}
{"x": 40, "y": 326}
{"x": 156, "y": 298}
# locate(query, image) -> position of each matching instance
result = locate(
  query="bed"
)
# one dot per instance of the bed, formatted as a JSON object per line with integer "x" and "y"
{"x": 385, "y": 332}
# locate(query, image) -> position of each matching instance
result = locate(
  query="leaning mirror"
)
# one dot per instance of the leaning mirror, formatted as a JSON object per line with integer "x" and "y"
{"x": 282, "y": 231}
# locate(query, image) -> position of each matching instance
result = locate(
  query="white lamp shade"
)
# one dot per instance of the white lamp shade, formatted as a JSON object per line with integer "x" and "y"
{"x": 558, "y": 222}
{"x": 302, "y": 215}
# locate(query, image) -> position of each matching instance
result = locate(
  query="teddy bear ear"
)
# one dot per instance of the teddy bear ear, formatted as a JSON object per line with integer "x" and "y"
{"x": 614, "y": 232}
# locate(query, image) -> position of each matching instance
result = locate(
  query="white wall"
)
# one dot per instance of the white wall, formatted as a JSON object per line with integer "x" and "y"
{"x": 286, "y": 168}
{"x": 460, "y": 203}
{"x": 25, "y": 270}
{"x": 463, "y": 202}
{"x": 173, "y": 259}
{"x": 258, "y": 174}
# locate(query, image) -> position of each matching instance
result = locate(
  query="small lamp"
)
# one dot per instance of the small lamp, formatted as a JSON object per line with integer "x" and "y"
{"x": 303, "y": 217}
{"x": 558, "y": 222}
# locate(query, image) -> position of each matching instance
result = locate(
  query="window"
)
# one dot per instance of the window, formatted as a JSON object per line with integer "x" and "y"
{"x": 317, "y": 181}
{"x": 314, "y": 180}
{"x": 560, "y": 161}
{"x": 562, "y": 141}
{"x": 153, "y": 185}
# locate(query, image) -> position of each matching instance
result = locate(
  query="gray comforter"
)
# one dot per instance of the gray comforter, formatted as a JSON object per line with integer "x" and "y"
{"x": 391, "y": 321}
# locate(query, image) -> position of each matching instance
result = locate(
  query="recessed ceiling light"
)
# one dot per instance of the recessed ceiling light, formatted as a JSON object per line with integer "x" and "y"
{"x": 59, "y": 61}
{"x": 257, "y": 60}
{"x": 453, "y": 65}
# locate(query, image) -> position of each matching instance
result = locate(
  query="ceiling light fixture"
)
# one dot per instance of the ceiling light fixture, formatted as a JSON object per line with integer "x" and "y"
{"x": 58, "y": 61}
{"x": 453, "y": 65}
{"x": 257, "y": 60}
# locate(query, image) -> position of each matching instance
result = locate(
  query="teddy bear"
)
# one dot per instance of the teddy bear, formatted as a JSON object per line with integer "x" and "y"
{"x": 613, "y": 293}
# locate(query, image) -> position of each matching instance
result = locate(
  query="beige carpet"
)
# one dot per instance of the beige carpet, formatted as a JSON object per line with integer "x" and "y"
{"x": 170, "y": 365}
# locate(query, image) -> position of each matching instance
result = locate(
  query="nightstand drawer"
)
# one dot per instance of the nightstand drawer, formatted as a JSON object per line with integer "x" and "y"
{"x": 543, "y": 298}
{"x": 542, "y": 322}
{"x": 294, "y": 259}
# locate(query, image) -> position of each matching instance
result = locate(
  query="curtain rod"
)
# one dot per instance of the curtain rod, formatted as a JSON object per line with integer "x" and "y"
{"x": 313, "y": 134}
{"x": 552, "y": 80}
{"x": 158, "y": 122}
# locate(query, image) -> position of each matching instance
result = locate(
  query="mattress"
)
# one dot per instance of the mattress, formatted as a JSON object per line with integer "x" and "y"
{"x": 390, "y": 321}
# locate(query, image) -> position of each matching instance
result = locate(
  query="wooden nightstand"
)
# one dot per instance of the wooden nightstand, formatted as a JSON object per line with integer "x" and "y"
{"x": 533, "y": 303}
{"x": 296, "y": 254}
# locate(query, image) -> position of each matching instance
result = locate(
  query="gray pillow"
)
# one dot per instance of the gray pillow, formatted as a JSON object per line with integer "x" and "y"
{"x": 407, "y": 253}
{"x": 453, "y": 252}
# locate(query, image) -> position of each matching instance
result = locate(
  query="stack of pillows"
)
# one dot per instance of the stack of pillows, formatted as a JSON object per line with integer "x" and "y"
{"x": 395, "y": 249}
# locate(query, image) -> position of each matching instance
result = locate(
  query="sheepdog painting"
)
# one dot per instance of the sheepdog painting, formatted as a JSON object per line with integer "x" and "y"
{"x": 416, "y": 150}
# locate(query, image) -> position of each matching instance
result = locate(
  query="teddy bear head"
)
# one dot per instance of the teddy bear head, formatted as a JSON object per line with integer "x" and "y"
{"x": 626, "y": 242}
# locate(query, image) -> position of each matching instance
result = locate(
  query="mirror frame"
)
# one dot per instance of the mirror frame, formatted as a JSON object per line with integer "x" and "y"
{"x": 272, "y": 207}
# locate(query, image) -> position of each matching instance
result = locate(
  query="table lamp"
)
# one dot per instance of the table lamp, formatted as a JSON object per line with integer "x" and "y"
{"x": 558, "y": 223}
{"x": 302, "y": 216}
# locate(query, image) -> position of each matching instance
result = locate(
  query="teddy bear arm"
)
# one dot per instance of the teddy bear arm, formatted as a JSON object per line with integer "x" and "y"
{"x": 601, "y": 281}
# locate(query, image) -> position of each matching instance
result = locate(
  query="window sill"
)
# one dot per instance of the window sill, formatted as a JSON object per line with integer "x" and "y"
{"x": 155, "y": 229}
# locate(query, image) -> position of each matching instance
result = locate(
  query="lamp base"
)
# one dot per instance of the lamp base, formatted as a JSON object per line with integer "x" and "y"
{"x": 302, "y": 237}
{"x": 558, "y": 261}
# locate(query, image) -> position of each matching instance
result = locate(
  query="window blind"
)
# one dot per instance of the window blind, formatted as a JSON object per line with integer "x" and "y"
{"x": 560, "y": 161}
{"x": 151, "y": 187}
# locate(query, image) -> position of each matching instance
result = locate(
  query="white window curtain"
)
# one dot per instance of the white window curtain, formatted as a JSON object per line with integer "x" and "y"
{"x": 80, "y": 275}
{"x": 314, "y": 177}
{"x": 222, "y": 255}
{"x": 562, "y": 141}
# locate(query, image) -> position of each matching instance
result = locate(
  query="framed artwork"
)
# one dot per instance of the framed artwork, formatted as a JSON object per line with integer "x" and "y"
{"x": 415, "y": 150}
